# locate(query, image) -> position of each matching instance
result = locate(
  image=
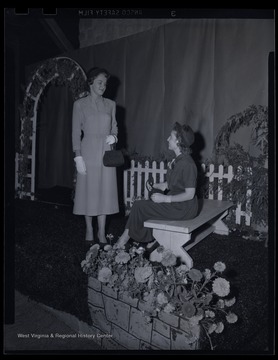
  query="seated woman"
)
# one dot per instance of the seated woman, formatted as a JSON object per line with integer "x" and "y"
{"x": 180, "y": 203}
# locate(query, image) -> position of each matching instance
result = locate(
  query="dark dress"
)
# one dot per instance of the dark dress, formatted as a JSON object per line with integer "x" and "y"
{"x": 182, "y": 174}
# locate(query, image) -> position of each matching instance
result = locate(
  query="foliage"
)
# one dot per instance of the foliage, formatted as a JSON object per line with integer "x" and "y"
{"x": 257, "y": 116}
{"x": 203, "y": 298}
{"x": 250, "y": 182}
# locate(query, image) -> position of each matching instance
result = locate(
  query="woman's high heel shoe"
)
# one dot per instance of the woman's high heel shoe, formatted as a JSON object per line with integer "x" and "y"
{"x": 151, "y": 248}
{"x": 102, "y": 244}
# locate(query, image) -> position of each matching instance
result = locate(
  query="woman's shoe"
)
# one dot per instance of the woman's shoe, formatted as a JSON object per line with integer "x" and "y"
{"x": 152, "y": 247}
{"x": 125, "y": 246}
{"x": 102, "y": 245}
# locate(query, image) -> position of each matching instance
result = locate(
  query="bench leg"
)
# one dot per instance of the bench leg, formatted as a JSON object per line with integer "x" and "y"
{"x": 173, "y": 241}
{"x": 219, "y": 226}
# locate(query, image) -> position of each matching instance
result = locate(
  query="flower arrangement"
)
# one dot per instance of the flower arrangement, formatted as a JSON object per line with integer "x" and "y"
{"x": 200, "y": 297}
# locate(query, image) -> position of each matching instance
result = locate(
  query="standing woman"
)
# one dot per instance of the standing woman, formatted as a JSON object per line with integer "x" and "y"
{"x": 94, "y": 129}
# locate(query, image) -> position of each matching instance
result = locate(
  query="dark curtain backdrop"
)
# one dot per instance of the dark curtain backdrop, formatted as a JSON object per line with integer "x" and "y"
{"x": 55, "y": 161}
{"x": 197, "y": 71}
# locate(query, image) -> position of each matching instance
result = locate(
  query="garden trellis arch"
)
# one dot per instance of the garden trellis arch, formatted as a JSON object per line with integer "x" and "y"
{"x": 59, "y": 70}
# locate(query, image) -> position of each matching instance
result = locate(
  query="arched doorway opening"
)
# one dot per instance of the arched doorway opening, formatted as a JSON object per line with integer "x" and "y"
{"x": 59, "y": 70}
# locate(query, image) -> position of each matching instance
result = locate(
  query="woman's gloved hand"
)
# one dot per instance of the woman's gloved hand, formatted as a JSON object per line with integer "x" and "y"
{"x": 111, "y": 139}
{"x": 80, "y": 165}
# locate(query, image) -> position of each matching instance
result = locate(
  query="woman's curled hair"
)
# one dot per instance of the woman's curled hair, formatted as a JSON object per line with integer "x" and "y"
{"x": 94, "y": 72}
{"x": 185, "y": 137}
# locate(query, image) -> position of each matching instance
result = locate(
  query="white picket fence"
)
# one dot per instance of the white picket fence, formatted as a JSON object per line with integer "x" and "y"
{"x": 136, "y": 176}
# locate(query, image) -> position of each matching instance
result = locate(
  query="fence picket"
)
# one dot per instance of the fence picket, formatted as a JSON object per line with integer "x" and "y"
{"x": 139, "y": 180}
{"x": 125, "y": 187}
{"x": 211, "y": 181}
{"x": 162, "y": 172}
{"x": 220, "y": 182}
{"x": 132, "y": 173}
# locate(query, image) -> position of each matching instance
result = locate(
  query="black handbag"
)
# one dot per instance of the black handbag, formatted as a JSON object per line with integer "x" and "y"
{"x": 113, "y": 158}
{"x": 151, "y": 189}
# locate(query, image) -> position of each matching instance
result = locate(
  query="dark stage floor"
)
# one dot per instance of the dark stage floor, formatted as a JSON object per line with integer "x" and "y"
{"x": 49, "y": 247}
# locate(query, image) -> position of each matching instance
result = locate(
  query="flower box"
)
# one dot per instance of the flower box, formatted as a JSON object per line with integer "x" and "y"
{"x": 118, "y": 321}
{"x": 136, "y": 304}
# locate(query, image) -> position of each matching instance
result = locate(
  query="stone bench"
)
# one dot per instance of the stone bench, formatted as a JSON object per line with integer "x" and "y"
{"x": 174, "y": 235}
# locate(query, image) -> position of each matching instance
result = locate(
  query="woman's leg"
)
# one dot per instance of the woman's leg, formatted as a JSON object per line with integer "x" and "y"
{"x": 89, "y": 228}
{"x": 141, "y": 211}
{"x": 101, "y": 228}
{"x": 123, "y": 239}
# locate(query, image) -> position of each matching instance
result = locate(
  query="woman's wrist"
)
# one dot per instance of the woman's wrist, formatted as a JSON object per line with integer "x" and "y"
{"x": 160, "y": 186}
{"x": 168, "y": 198}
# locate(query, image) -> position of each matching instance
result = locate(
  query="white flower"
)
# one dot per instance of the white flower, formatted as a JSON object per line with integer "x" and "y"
{"x": 142, "y": 274}
{"x": 221, "y": 287}
{"x": 95, "y": 246}
{"x": 195, "y": 274}
{"x": 230, "y": 302}
{"x": 182, "y": 269}
{"x": 161, "y": 298}
{"x": 104, "y": 275}
{"x": 92, "y": 253}
{"x": 194, "y": 320}
{"x": 207, "y": 274}
{"x": 220, "y": 327}
{"x": 122, "y": 258}
{"x": 83, "y": 263}
{"x": 221, "y": 304}
{"x": 168, "y": 258}
{"x": 209, "y": 313}
{"x": 169, "y": 308}
{"x": 231, "y": 318}
{"x": 219, "y": 266}
{"x": 110, "y": 236}
{"x": 140, "y": 250}
{"x": 212, "y": 328}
